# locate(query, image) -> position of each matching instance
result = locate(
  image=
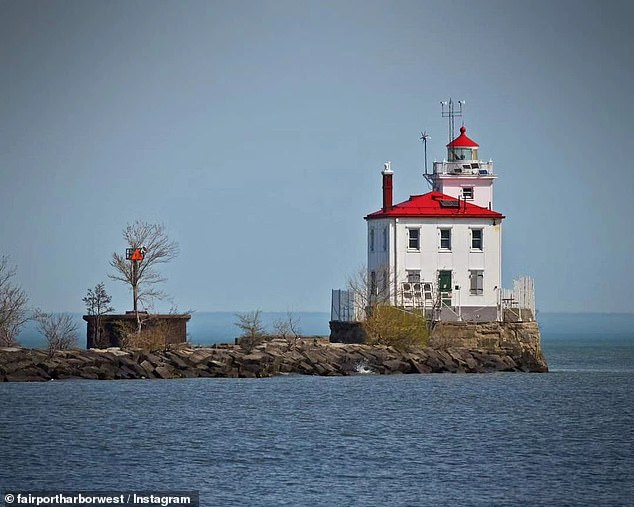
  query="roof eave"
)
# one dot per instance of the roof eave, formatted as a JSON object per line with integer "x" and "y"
{"x": 373, "y": 216}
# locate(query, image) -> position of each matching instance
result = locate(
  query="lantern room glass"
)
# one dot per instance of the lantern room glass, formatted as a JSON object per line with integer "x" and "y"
{"x": 456, "y": 154}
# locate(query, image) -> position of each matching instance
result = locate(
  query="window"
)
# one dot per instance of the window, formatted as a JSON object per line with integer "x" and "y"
{"x": 371, "y": 240}
{"x": 384, "y": 239}
{"x": 476, "y": 277}
{"x": 413, "y": 275}
{"x": 445, "y": 239}
{"x": 456, "y": 154}
{"x": 373, "y": 283}
{"x": 384, "y": 289}
{"x": 413, "y": 239}
{"x": 467, "y": 193}
{"x": 476, "y": 239}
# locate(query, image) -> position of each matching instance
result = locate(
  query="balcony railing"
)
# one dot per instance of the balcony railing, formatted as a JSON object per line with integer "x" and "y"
{"x": 416, "y": 295}
{"x": 462, "y": 167}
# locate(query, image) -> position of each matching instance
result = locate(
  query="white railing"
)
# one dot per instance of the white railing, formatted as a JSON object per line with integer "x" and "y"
{"x": 521, "y": 296}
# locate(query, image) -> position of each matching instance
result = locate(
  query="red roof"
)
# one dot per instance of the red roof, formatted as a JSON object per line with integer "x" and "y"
{"x": 462, "y": 141}
{"x": 435, "y": 204}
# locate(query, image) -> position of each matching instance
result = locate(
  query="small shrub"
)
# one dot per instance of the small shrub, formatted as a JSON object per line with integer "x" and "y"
{"x": 253, "y": 332}
{"x": 401, "y": 329}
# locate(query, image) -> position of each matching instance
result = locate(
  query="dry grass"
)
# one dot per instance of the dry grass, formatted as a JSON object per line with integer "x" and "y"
{"x": 154, "y": 336}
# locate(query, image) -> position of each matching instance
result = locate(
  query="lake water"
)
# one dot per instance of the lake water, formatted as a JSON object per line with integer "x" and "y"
{"x": 562, "y": 438}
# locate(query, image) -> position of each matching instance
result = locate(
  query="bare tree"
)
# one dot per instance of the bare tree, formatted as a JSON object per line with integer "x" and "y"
{"x": 253, "y": 331}
{"x": 59, "y": 330}
{"x": 287, "y": 328}
{"x": 97, "y": 303}
{"x": 371, "y": 288}
{"x": 13, "y": 305}
{"x": 141, "y": 274}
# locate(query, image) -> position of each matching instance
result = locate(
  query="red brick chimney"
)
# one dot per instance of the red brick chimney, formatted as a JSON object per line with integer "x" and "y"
{"x": 387, "y": 186}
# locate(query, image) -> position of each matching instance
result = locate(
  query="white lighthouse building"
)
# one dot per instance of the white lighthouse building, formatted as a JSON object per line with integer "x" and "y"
{"x": 441, "y": 251}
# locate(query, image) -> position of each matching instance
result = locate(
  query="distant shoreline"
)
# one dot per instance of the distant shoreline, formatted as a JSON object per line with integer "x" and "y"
{"x": 208, "y": 328}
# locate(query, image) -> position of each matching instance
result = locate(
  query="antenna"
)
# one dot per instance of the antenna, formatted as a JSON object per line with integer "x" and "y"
{"x": 423, "y": 137}
{"x": 449, "y": 111}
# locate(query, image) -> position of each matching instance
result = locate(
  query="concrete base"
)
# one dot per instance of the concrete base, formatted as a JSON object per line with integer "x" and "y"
{"x": 346, "y": 332}
{"x": 110, "y": 328}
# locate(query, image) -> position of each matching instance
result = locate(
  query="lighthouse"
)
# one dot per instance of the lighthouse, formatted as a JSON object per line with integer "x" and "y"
{"x": 440, "y": 251}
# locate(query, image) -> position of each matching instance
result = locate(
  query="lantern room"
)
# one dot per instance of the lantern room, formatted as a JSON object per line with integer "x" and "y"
{"x": 462, "y": 148}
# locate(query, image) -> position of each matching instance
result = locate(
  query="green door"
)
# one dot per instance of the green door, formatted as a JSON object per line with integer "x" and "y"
{"x": 444, "y": 285}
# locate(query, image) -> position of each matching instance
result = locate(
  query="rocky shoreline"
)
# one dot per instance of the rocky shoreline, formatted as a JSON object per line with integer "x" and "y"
{"x": 271, "y": 358}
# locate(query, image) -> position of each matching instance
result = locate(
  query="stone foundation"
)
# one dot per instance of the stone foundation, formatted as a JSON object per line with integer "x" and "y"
{"x": 520, "y": 339}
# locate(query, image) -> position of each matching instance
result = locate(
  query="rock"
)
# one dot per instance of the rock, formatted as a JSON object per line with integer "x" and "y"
{"x": 304, "y": 367}
{"x": 254, "y": 357}
{"x": 152, "y": 359}
{"x": 21, "y": 364}
{"x": 164, "y": 372}
{"x": 12, "y": 377}
{"x": 395, "y": 366}
{"x": 199, "y": 356}
{"x": 419, "y": 367}
{"x": 147, "y": 368}
{"x": 325, "y": 369}
{"x": 90, "y": 372}
{"x": 130, "y": 371}
{"x": 177, "y": 361}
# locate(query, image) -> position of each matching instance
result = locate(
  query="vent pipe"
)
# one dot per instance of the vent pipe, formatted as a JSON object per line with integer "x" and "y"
{"x": 387, "y": 186}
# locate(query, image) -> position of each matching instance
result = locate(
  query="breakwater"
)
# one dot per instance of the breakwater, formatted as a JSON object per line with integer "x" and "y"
{"x": 270, "y": 358}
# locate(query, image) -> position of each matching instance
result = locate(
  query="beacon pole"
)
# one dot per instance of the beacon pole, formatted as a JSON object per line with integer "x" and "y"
{"x": 134, "y": 272}
{"x": 134, "y": 255}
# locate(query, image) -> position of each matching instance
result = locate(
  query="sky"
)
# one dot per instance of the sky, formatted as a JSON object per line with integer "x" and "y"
{"x": 256, "y": 133}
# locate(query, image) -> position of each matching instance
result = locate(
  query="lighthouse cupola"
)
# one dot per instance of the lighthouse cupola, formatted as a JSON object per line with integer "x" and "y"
{"x": 462, "y": 148}
{"x": 463, "y": 175}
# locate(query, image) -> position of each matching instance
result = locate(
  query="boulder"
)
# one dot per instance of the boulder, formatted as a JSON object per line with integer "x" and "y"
{"x": 148, "y": 368}
{"x": 90, "y": 372}
{"x": 177, "y": 361}
{"x": 164, "y": 372}
{"x": 395, "y": 366}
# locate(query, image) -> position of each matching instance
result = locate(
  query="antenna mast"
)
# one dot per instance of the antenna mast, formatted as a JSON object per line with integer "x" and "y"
{"x": 428, "y": 176}
{"x": 449, "y": 111}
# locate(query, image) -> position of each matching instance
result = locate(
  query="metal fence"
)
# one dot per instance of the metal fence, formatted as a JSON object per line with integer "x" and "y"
{"x": 342, "y": 307}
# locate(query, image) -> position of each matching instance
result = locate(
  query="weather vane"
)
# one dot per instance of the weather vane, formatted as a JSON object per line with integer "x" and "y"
{"x": 423, "y": 137}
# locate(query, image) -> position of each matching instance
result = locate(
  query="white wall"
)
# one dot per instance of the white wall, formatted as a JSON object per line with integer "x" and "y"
{"x": 430, "y": 258}
{"x": 482, "y": 188}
